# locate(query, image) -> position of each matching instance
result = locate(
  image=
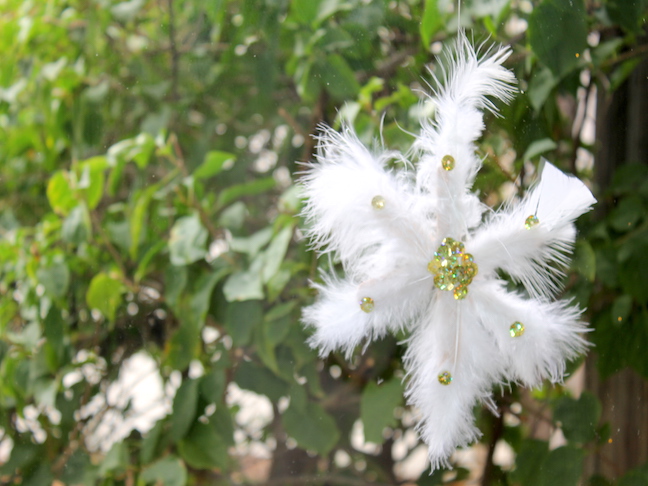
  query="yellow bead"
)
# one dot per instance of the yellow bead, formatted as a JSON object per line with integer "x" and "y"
{"x": 516, "y": 329}
{"x": 448, "y": 162}
{"x": 378, "y": 202}
{"x": 367, "y": 304}
{"x": 531, "y": 221}
{"x": 445, "y": 378}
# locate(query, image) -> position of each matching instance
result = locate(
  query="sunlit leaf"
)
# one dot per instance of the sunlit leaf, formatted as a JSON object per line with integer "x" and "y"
{"x": 105, "y": 295}
{"x": 187, "y": 240}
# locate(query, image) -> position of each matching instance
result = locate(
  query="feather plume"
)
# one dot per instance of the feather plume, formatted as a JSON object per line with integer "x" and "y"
{"x": 420, "y": 257}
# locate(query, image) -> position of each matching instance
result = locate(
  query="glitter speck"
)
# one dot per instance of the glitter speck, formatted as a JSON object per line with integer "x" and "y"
{"x": 448, "y": 162}
{"x": 516, "y": 329}
{"x": 445, "y": 378}
{"x": 378, "y": 202}
{"x": 531, "y": 221}
{"x": 367, "y": 304}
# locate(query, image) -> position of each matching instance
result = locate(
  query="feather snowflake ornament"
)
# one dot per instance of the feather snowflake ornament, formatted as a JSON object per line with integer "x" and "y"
{"x": 421, "y": 254}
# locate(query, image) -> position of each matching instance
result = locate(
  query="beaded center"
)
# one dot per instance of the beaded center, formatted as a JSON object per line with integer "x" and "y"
{"x": 453, "y": 268}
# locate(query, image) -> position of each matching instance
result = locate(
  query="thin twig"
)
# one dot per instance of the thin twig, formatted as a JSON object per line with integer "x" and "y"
{"x": 174, "y": 52}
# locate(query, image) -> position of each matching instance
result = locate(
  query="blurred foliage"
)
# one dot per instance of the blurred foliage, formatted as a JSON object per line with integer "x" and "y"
{"x": 148, "y": 210}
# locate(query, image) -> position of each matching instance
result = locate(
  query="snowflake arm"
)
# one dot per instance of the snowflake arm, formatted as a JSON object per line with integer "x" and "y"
{"x": 353, "y": 204}
{"x": 531, "y": 240}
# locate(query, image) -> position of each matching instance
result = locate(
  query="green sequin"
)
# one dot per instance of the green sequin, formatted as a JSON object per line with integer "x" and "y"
{"x": 531, "y": 221}
{"x": 453, "y": 269}
{"x": 445, "y": 378}
{"x": 516, "y": 329}
{"x": 448, "y": 162}
{"x": 367, "y": 304}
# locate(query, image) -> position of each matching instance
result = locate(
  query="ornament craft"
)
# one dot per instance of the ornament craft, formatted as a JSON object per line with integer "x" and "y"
{"x": 421, "y": 254}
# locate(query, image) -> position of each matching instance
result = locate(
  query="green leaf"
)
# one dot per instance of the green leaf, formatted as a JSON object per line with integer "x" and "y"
{"x": 169, "y": 471}
{"x": 212, "y": 385}
{"x": 634, "y": 478}
{"x": 529, "y": 461}
{"x": 54, "y": 330}
{"x": 60, "y": 192}
{"x": 578, "y": 418}
{"x": 39, "y": 476}
{"x": 241, "y": 319}
{"x": 252, "y": 188}
{"x": 276, "y": 252}
{"x": 431, "y": 23}
{"x": 91, "y": 181}
{"x": 200, "y": 298}
{"x": 562, "y": 467}
{"x": 244, "y": 285}
{"x": 539, "y": 147}
{"x": 313, "y": 429}
{"x": 585, "y": 260}
{"x": 558, "y": 34}
{"x": 116, "y": 459}
{"x": 629, "y": 14}
{"x": 621, "y": 309}
{"x": 313, "y": 12}
{"x": 338, "y": 78}
{"x": 22, "y": 455}
{"x": 185, "y": 405}
{"x": 260, "y": 380}
{"x": 183, "y": 346}
{"x": 143, "y": 266}
{"x": 277, "y": 323}
{"x": 632, "y": 274}
{"x": 55, "y": 278}
{"x": 377, "y": 407}
{"x": 233, "y": 216}
{"x": 138, "y": 217}
{"x": 204, "y": 448}
{"x": 213, "y": 164}
{"x": 150, "y": 442}
{"x": 252, "y": 244}
{"x": 175, "y": 281}
{"x": 105, "y": 295}
{"x": 187, "y": 241}
{"x": 76, "y": 226}
{"x": 627, "y": 214}
{"x": 138, "y": 150}
{"x": 541, "y": 85}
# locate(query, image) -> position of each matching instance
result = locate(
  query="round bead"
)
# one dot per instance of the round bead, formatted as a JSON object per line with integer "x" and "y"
{"x": 448, "y": 162}
{"x": 378, "y": 202}
{"x": 367, "y": 304}
{"x": 531, "y": 221}
{"x": 445, "y": 378}
{"x": 516, "y": 329}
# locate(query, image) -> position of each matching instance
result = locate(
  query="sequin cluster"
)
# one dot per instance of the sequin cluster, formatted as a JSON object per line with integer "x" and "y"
{"x": 453, "y": 269}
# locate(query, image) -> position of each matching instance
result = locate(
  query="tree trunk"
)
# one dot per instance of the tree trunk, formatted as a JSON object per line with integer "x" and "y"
{"x": 622, "y": 138}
